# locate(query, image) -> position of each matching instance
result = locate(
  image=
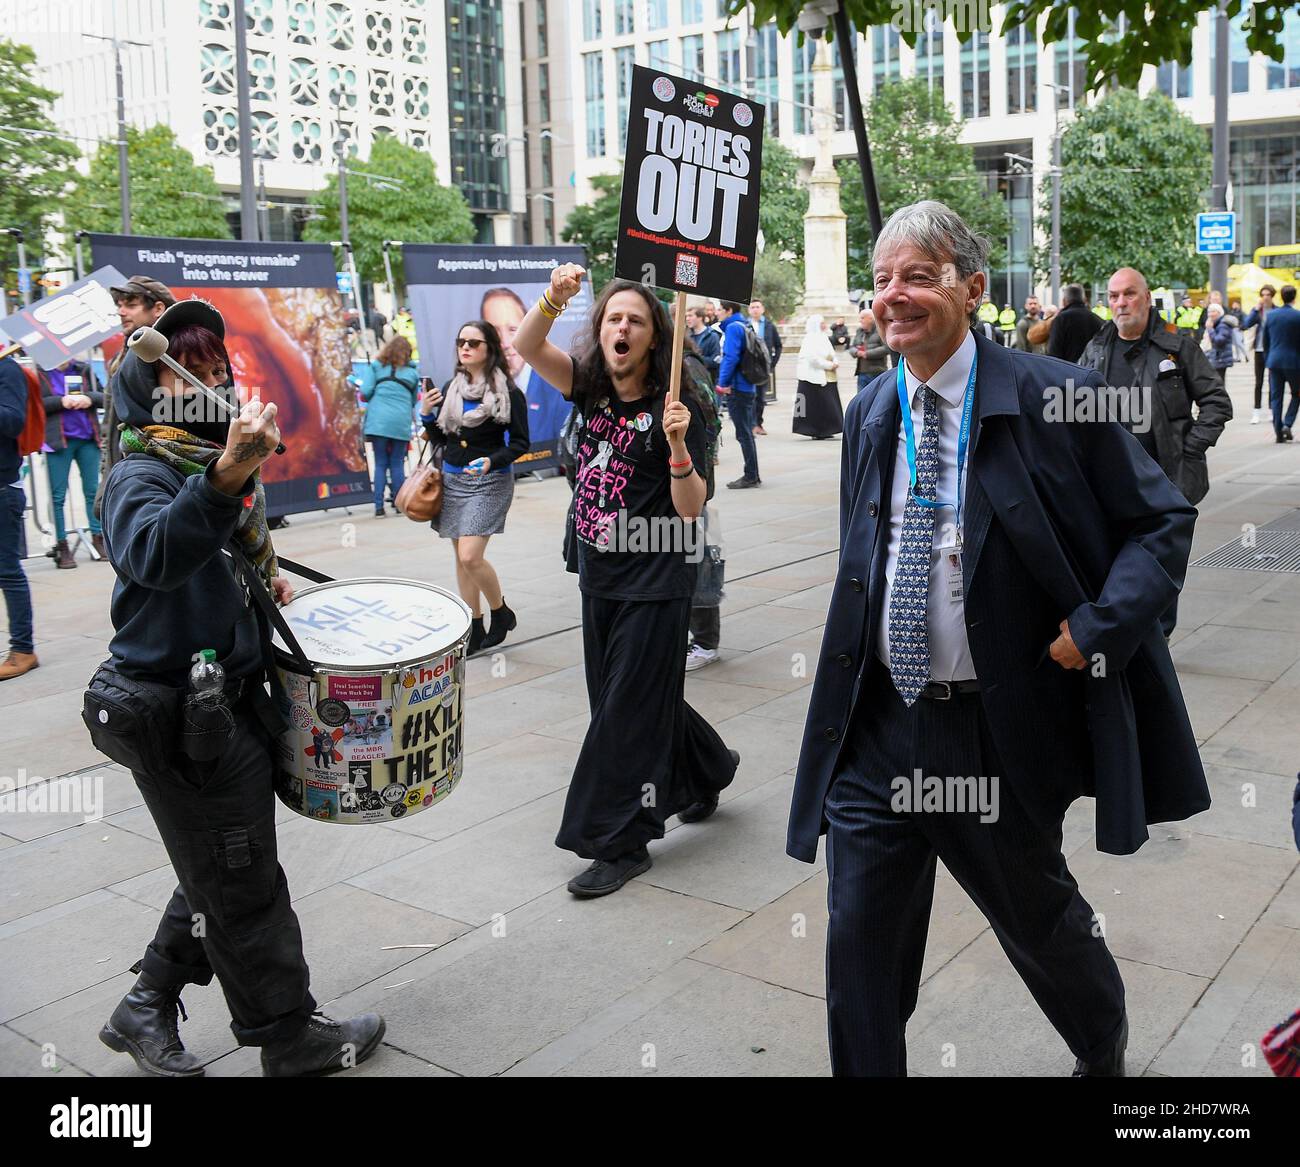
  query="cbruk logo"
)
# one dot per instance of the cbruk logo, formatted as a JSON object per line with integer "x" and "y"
{"x": 743, "y": 114}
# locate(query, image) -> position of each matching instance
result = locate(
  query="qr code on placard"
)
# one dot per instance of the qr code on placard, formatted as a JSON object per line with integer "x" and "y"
{"x": 687, "y": 272}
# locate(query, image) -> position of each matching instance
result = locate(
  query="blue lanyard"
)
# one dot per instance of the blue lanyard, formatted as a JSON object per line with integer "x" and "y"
{"x": 963, "y": 438}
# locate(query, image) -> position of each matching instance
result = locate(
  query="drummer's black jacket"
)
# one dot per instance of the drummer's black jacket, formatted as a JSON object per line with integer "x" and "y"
{"x": 176, "y": 591}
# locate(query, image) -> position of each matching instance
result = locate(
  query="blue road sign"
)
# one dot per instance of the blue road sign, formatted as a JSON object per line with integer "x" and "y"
{"x": 24, "y": 280}
{"x": 345, "y": 283}
{"x": 1216, "y": 231}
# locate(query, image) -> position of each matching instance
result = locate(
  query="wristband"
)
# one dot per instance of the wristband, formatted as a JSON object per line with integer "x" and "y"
{"x": 688, "y": 473}
{"x": 678, "y": 465}
{"x": 543, "y": 306}
{"x": 554, "y": 307}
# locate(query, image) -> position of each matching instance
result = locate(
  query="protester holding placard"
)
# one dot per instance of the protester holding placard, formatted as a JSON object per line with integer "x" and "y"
{"x": 641, "y": 483}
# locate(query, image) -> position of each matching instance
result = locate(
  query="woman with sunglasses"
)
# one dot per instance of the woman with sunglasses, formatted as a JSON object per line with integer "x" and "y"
{"x": 482, "y": 417}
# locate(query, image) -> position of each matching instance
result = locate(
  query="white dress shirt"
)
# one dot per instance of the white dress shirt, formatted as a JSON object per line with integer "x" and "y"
{"x": 950, "y": 658}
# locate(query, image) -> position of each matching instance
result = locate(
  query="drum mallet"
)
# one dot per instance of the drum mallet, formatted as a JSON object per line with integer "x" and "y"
{"x": 151, "y": 346}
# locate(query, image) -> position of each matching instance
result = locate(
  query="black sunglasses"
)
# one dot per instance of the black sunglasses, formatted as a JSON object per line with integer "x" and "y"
{"x": 466, "y": 342}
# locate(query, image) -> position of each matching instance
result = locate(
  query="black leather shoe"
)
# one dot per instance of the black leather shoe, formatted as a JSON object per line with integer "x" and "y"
{"x": 144, "y": 1025}
{"x": 743, "y": 483}
{"x": 605, "y": 876}
{"x": 1111, "y": 1064}
{"x": 1286, "y": 433}
{"x": 323, "y": 1046}
{"x": 701, "y": 809}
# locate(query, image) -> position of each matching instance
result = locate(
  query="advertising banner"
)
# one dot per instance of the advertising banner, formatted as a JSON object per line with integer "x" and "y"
{"x": 450, "y": 285}
{"x": 689, "y": 213}
{"x": 288, "y": 341}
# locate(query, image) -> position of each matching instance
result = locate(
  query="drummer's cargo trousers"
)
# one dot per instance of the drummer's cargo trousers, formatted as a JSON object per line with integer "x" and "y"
{"x": 230, "y": 915}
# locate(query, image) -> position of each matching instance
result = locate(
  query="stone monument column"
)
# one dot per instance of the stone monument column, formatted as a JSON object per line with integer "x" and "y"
{"x": 825, "y": 226}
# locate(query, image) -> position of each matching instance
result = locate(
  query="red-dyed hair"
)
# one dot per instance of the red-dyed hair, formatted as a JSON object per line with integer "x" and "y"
{"x": 195, "y": 344}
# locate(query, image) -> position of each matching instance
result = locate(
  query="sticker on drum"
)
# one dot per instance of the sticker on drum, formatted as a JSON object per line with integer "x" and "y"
{"x": 380, "y": 720}
{"x": 332, "y": 711}
{"x": 398, "y": 810}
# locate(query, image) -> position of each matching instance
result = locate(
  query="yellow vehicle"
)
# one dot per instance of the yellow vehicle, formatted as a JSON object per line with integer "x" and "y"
{"x": 1276, "y": 264}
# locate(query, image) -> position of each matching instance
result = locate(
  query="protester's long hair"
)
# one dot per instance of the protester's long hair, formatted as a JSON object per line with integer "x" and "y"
{"x": 396, "y": 354}
{"x": 592, "y": 379}
{"x": 496, "y": 354}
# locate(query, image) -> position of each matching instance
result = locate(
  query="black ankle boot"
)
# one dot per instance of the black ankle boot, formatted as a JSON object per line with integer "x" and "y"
{"x": 476, "y": 636}
{"x": 503, "y": 621}
{"x": 323, "y": 1046}
{"x": 144, "y": 1025}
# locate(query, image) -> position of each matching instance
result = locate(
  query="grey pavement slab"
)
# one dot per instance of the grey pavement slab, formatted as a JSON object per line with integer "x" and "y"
{"x": 1248, "y": 805}
{"x": 56, "y": 953}
{"x": 976, "y": 1018}
{"x": 386, "y": 1062}
{"x": 721, "y": 1024}
{"x": 1255, "y": 991}
{"x": 71, "y": 863}
{"x": 23, "y": 1058}
{"x": 1263, "y": 736}
{"x": 1255, "y": 654}
{"x": 1183, "y": 902}
{"x": 559, "y": 962}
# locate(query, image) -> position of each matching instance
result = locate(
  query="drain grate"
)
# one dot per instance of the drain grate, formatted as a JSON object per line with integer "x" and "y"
{"x": 1273, "y": 551}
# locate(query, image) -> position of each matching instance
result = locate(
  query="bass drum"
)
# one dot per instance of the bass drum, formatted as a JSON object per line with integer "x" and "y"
{"x": 376, "y": 731}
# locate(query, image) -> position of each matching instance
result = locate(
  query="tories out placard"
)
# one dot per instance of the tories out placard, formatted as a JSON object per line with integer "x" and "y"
{"x": 689, "y": 213}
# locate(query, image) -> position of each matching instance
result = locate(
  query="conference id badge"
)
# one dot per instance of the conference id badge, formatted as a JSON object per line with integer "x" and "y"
{"x": 950, "y": 555}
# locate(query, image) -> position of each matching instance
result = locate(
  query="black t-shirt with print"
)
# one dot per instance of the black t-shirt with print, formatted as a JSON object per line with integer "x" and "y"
{"x": 623, "y": 487}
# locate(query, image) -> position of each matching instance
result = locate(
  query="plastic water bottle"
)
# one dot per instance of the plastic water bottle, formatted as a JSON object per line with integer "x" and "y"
{"x": 207, "y": 677}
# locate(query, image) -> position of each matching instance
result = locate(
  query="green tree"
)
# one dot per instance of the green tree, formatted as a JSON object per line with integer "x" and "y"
{"x": 171, "y": 194}
{"x": 594, "y": 225}
{"x": 394, "y": 195}
{"x": 1146, "y": 40}
{"x": 38, "y": 163}
{"x": 778, "y": 283}
{"x": 1133, "y": 175}
{"x": 916, "y": 155}
{"x": 782, "y": 200}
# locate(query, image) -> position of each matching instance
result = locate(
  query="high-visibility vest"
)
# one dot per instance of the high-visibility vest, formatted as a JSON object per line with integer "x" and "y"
{"x": 404, "y": 326}
{"x": 1101, "y": 310}
{"x": 1007, "y": 319}
{"x": 988, "y": 313}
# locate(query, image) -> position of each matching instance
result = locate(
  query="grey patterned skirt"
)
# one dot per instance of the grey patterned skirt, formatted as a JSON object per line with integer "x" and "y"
{"x": 474, "y": 504}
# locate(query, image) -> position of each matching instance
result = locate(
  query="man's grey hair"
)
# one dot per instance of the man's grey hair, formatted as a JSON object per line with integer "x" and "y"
{"x": 941, "y": 233}
{"x": 1073, "y": 294}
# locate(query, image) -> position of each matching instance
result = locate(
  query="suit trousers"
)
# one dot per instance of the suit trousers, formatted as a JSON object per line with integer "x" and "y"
{"x": 1279, "y": 381}
{"x": 881, "y": 864}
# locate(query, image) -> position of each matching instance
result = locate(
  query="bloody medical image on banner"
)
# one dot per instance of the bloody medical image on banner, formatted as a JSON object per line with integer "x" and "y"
{"x": 288, "y": 341}
{"x": 449, "y": 285}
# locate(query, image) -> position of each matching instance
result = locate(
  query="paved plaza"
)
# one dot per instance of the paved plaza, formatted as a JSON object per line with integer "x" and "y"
{"x": 456, "y": 925}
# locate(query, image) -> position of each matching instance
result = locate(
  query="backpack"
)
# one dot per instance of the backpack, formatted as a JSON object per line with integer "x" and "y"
{"x": 32, "y": 436}
{"x": 694, "y": 368}
{"x": 755, "y": 361}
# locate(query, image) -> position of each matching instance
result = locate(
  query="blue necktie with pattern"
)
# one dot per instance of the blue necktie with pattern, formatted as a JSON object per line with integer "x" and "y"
{"x": 909, "y": 645}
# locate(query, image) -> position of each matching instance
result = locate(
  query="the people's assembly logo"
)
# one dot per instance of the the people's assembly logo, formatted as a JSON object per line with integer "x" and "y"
{"x": 702, "y": 104}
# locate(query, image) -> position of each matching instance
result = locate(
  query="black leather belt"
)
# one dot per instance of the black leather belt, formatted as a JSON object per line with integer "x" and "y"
{"x": 945, "y": 690}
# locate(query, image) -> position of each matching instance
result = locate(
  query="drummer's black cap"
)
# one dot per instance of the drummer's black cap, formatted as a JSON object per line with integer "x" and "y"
{"x": 145, "y": 286}
{"x": 193, "y": 311}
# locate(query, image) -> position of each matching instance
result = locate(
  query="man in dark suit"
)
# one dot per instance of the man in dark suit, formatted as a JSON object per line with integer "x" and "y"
{"x": 992, "y": 652}
{"x": 1282, "y": 359}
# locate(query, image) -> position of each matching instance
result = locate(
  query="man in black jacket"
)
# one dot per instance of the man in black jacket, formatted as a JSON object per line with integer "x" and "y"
{"x": 1069, "y": 331}
{"x": 768, "y": 334}
{"x": 1165, "y": 374}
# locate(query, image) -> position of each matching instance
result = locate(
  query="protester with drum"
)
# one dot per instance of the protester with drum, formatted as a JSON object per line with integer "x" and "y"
{"x": 185, "y": 528}
{"x": 642, "y": 464}
{"x": 482, "y": 417}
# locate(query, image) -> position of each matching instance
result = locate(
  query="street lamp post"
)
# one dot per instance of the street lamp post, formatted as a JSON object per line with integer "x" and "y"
{"x": 123, "y": 163}
{"x": 1056, "y": 190}
{"x": 247, "y": 198}
{"x": 24, "y": 289}
{"x": 1219, "y": 199}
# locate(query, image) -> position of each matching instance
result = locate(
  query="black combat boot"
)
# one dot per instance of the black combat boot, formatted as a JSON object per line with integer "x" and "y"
{"x": 144, "y": 1025}
{"x": 323, "y": 1046}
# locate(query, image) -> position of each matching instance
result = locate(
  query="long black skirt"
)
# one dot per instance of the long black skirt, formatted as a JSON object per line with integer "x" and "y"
{"x": 647, "y": 753}
{"x": 817, "y": 410}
